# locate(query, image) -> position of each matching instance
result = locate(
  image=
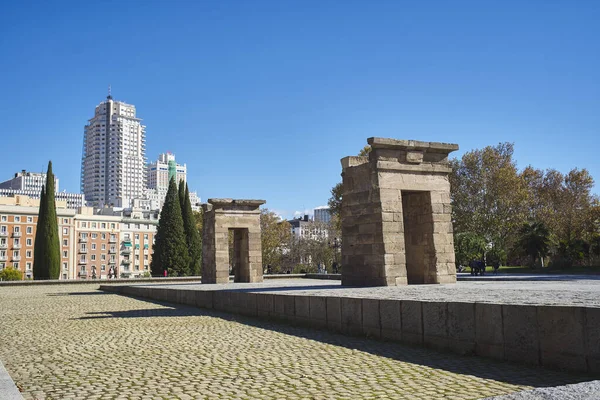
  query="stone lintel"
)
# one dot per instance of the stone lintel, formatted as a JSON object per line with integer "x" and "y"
{"x": 411, "y": 145}
{"x": 233, "y": 203}
{"x": 427, "y": 167}
{"x": 353, "y": 161}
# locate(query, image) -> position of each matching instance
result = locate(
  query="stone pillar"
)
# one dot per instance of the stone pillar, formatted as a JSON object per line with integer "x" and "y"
{"x": 243, "y": 218}
{"x": 396, "y": 217}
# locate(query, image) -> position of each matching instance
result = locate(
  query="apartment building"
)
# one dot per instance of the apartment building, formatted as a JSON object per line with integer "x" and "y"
{"x": 24, "y": 180}
{"x": 92, "y": 246}
{"x": 158, "y": 176}
{"x": 114, "y": 156}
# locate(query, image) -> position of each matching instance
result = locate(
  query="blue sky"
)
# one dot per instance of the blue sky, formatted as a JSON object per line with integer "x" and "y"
{"x": 262, "y": 99}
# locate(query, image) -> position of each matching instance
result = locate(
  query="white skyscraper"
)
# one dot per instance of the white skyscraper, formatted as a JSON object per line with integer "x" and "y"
{"x": 114, "y": 156}
{"x": 159, "y": 174}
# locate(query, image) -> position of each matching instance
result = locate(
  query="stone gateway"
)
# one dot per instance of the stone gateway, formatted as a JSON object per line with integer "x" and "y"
{"x": 242, "y": 217}
{"x": 396, "y": 215}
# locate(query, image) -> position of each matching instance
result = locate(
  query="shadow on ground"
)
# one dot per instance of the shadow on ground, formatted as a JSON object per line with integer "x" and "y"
{"x": 465, "y": 365}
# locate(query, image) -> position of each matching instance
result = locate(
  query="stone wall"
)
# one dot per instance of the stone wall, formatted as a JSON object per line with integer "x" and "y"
{"x": 551, "y": 336}
{"x": 396, "y": 215}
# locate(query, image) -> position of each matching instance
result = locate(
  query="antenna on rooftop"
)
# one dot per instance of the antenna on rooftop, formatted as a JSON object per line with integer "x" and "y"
{"x": 109, "y": 95}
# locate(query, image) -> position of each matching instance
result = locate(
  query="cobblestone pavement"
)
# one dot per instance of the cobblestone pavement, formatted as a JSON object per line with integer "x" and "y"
{"x": 74, "y": 342}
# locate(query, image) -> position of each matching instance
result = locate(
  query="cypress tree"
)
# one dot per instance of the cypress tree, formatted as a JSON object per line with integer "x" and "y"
{"x": 38, "y": 248}
{"x": 170, "y": 248}
{"x": 182, "y": 195}
{"x": 194, "y": 243}
{"x": 46, "y": 262}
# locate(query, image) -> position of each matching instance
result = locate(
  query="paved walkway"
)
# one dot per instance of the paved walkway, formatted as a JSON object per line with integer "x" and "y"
{"x": 74, "y": 342}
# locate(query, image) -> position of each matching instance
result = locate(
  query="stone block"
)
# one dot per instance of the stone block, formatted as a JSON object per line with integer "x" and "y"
{"x": 302, "y": 309}
{"x": 278, "y": 308}
{"x": 334, "y": 314}
{"x": 188, "y": 297}
{"x": 489, "y": 335}
{"x": 521, "y": 340}
{"x": 264, "y": 304}
{"x": 461, "y": 327}
{"x": 561, "y": 333}
{"x": 351, "y": 316}
{"x": 249, "y": 304}
{"x": 204, "y": 299}
{"x": 412, "y": 321}
{"x": 592, "y": 339}
{"x": 289, "y": 308}
{"x": 435, "y": 325}
{"x": 318, "y": 311}
{"x": 390, "y": 317}
{"x": 221, "y": 300}
{"x": 371, "y": 324}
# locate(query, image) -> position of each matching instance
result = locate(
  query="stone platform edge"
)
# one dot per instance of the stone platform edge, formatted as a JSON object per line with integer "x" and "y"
{"x": 559, "y": 337}
{"x": 8, "y": 389}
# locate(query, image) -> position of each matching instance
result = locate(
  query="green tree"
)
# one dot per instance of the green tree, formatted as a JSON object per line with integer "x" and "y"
{"x": 10, "y": 274}
{"x": 489, "y": 196}
{"x": 46, "y": 262}
{"x": 275, "y": 238}
{"x": 468, "y": 246}
{"x": 181, "y": 191}
{"x": 170, "y": 247}
{"x": 534, "y": 239}
{"x": 193, "y": 240}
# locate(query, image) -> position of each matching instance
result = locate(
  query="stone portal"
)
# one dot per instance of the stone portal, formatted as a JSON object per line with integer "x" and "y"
{"x": 396, "y": 215}
{"x": 242, "y": 217}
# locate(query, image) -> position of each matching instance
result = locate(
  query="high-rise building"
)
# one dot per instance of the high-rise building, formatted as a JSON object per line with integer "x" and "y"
{"x": 322, "y": 214}
{"x": 158, "y": 175}
{"x": 30, "y": 184}
{"x": 27, "y": 181}
{"x": 114, "y": 156}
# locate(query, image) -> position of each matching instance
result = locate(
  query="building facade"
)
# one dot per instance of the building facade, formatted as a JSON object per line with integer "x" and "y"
{"x": 92, "y": 246}
{"x": 304, "y": 228}
{"x": 72, "y": 200}
{"x": 27, "y": 181}
{"x": 114, "y": 156}
{"x": 322, "y": 214}
{"x": 158, "y": 175}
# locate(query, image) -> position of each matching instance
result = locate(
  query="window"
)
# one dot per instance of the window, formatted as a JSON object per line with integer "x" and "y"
{"x": 65, "y": 254}
{"x": 17, "y": 229}
{"x": 65, "y": 231}
{"x": 93, "y": 246}
{"x": 93, "y": 224}
{"x": 65, "y": 220}
{"x": 28, "y": 266}
{"x": 94, "y": 235}
{"x": 93, "y": 257}
{"x": 103, "y": 257}
{"x": 4, "y": 219}
{"x": 29, "y": 230}
{"x": 65, "y": 267}
{"x": 29, "y": 242}
{"x": 82, "y": 269}
{"x": 103, "y": 236}
{"x": 103, "y": 225}
{"x": 28, "y": 254}
{"x": 103, "y": 247}
{"x": 30, "y": 220}
{"x": 3, "y": 229}
{"x": 16, "y": 265}
{"x": 17, "y": 219}
{"x": 15, "y": 253}
{"x": 84, "y": 224}
{"x": 65, "y": 242}
{"x": 146, "y": 236}
{"x": 112, "y": 225}
{"x": 103, "y": 267}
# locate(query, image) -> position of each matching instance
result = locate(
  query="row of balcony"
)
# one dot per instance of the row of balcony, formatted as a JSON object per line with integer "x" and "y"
{"x": 14, "y": 234}
{"x": 14, "y": 258}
